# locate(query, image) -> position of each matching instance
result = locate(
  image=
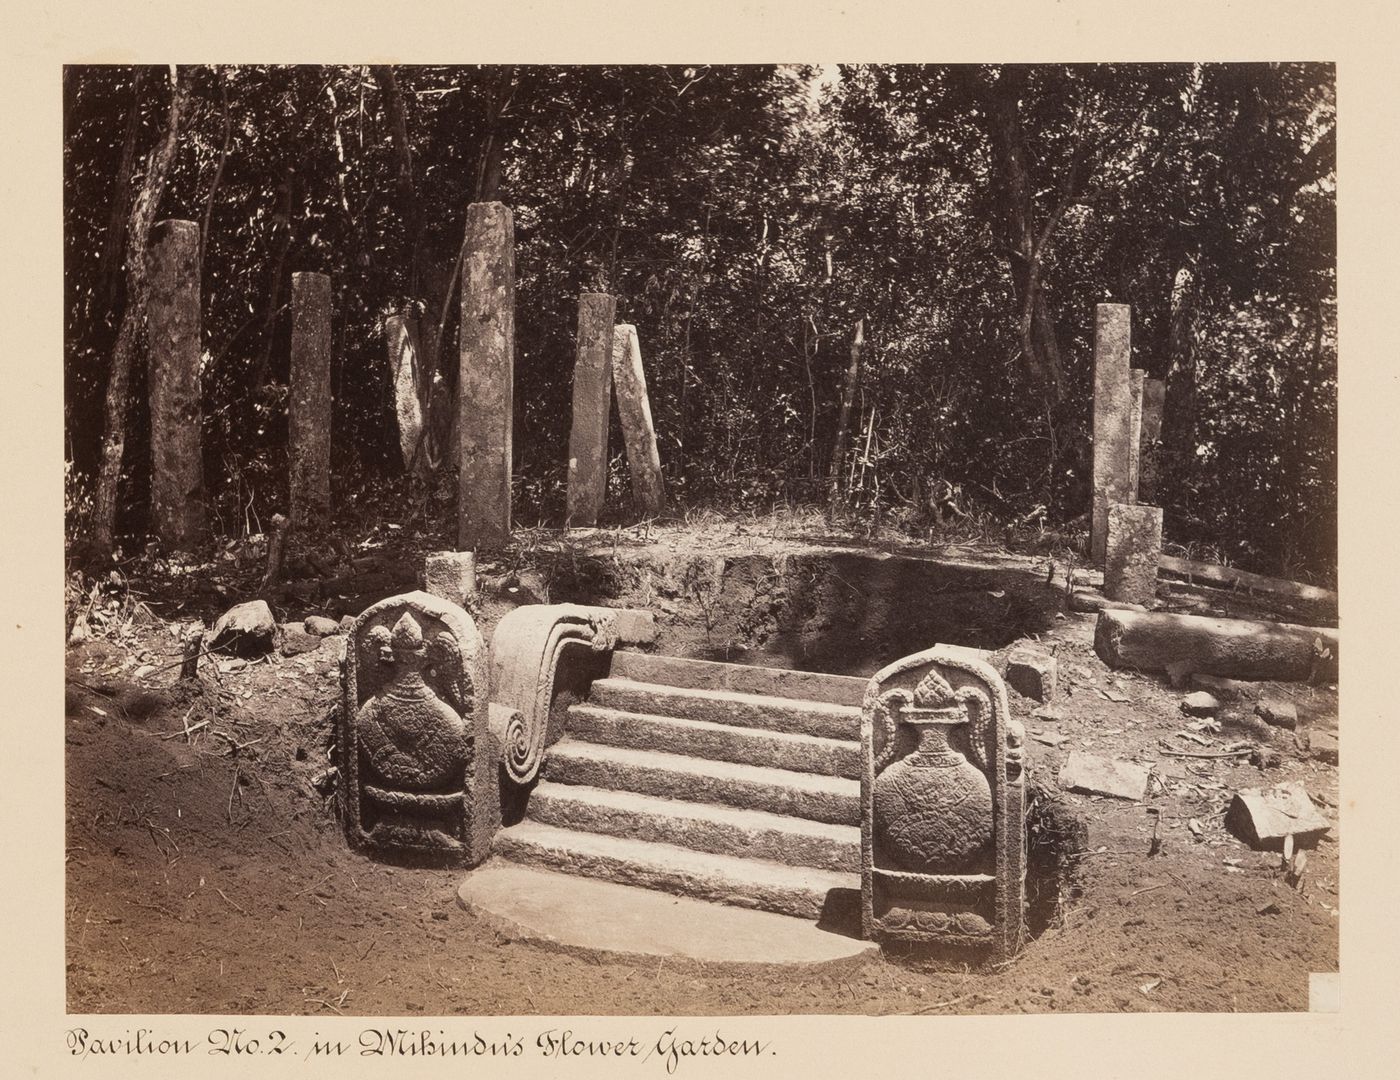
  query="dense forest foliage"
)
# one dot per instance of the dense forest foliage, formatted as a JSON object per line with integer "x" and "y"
{"x": 752, "y": 220}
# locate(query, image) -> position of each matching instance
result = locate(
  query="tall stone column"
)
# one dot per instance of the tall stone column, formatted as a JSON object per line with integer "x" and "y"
{"x": 486, "y": 387}
{"x": 1112, "y": 418}
{"x": 634, "y": 410}
{"x": 309, "y": 419}
{"x": 1136, "y": 377}
{"x": 588, "y": 437}
{"x": 401, "y": 336}
{"x": 173, "y": 329}
{"x": 1154, "y": 396}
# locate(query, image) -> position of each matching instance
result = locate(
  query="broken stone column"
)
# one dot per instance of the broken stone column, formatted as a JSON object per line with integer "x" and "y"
{"x": 1112, "y": 418}
{"x": 401, "y": 336}
{"x": 173, "y": 324}
{"x": 1136, "y": 378}
{"x": 634, "y": 410}
{"x": 309, "y": 417}
{"x": 485, "y": 396}
{"x": 1133, "y": 550}
{"x": 588, "y": 437}
{"x": 1154, "y": 396}
{"x": 451, "y": 576}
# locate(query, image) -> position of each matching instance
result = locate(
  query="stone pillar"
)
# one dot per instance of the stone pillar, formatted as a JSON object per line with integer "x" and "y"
{"x": 1154, "y": 395}
{"x": 588, "y": 437}
{"x": 451, "y": 576}
{"x": 401, "y": 336}
{"x": 1135, "y": 382}
{"x": 309, "y": 418}
{"x": 634, "y": 410}
{"x": 173, "y": 329}
{"x": 1134, "y": 548}
{"x": 486, "y": 387}
{"x": 1112, "y": 418}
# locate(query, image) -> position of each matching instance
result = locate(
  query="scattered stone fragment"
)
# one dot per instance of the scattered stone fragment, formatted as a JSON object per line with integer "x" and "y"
{"x": 347, "y": 622}
{"x": 247, "y": 630}
{"x": 1262, "y": 818}
{"x": 1271, "y": 908}
{"x": 1032, "y": 674}
{"x": 1179, "y": 675}
{"x": 1323, "y": 745}
{"x": 1104, "y": 776}
{"x": 320, "y": 626}
{"x": 1050, "y": 738}
{"x": 295, "y": 640}
{"x": 1049, "y": 714}
{"x": 1085, "y": 600}
{"x": 1264, "y": 758}
{"x": 1200, "y": 704}
{"x": 1197, "y": 829}
{"x": 1279, "y": 713}
{"x": 1224, "y": 689}
{"x": 451, "y": 576}
{"x": 1115, "y": 695}
{"x": 228, "y": 666}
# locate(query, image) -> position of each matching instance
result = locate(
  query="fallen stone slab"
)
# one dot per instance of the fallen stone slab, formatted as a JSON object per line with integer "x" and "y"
{"x": 1087, "y": 601}
{"x": 320, "y": 626}
{"x": 589, "y": 917}
{"x": 1050, "y": 738}
{"x": 247, "y": 630}
{"x": 1262, "y": 818}
{"x": 1104, "y": 776}
{"x": 1236, "y": 648}
{"x": 1277, "y": 712}
{"x": 1032, "y": 674}
{"x": 1229, "y": 577}
{"x": 1200, "y": 704}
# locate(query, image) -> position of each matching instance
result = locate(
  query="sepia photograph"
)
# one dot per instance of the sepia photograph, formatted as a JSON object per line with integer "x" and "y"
{"x": 700, "y": 539}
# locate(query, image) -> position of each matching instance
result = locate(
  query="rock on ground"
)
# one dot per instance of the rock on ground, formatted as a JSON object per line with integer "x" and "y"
{"x": 247, "y": 630}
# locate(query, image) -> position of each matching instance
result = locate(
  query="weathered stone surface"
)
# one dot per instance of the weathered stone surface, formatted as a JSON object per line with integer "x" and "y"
{"x": 588, "y": 436}
{"x": 1088, "y": 601}
{"x": 178, "y": 513}
{"x": 1154, "y": 395}
{"x": 1324, "y": 746}
{"x": 1134, "y": 546}
{"x": 1229, "y": 577}
{"x": 296, "y": 639}
{"x": 451, "y": 575}
{"x": 1112, "y": 418}
{"x": 1225, "y": 689}
{"x": 756, "y": 787}
{"x": 1032, "y": 674}
{"x": 717, "y": 742}
{"x": 730, "y": 707}
{"x": 1278, "y": 712}
{"x": 486, "y": 383}
{"x": 1104, "y": 776}
{"x": 1200, "y": 704}
{"x": 634, "y": 411}
{"x": 246, "y": 630}
{"x": 1262, "y": 818}
{"x": 321, "y": 626}
{"x": 942, "y": 805}
{"x": 1136, "y": 378}
{"x": 416, "y": 758}
{"x": 677, "y": 673}
{"x": 525, "y": 903}
{"x": 1236, "y": 648}
{"x": 721, "y": 830}
{"x": 309, "y": 413}
{"x": 406, "y": 377}
{"x": 789, "y": 890}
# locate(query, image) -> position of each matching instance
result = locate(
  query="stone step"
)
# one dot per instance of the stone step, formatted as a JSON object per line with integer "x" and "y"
{"x": 738, "y": 678}
{"x": 718, "y": 742}
{"x": 831, "y": 799}
{"x": 750, "y": 883}
{"x": 720, "y": 830}
{"x": 790, "y": 715}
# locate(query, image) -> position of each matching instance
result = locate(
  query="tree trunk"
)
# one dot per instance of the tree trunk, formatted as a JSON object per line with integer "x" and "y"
{"x": 403, "y": 168}
{"x": 138, "y": 229}
{"x": 848, "y": 396}
{"x": 115, "y": 236}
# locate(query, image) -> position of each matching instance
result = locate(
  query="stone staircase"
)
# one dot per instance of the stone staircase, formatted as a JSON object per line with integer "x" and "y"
{"x": 723, "y": 782}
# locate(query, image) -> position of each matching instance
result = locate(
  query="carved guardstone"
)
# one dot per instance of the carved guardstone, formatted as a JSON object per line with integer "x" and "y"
{"x": 942, "y": 806}
{"x": 418, "y": 764}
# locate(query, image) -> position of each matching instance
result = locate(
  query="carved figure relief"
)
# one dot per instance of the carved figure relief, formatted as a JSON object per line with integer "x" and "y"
{"x": 942, "y": 827}
{"x": 410, "y": 725}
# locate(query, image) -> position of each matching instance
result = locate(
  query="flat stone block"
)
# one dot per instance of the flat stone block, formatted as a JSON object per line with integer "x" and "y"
{"x": 1324, "y": 746}
{"x": 1200, "y": 704}
{"x": 451, "y": 576}
{"x": 604, "y": 917}
{"x": 1263, "y": 817}
{"x": 1133, "y": 551}
{"x": 320, "y": 626}
{"x": 1104, "y": 776}
{"x": 1032, "y": 674}
{"x": 1277, "y": 712}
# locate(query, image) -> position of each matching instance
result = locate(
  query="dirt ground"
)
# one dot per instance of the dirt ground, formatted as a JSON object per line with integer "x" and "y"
{"x": 207, "y": 873}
